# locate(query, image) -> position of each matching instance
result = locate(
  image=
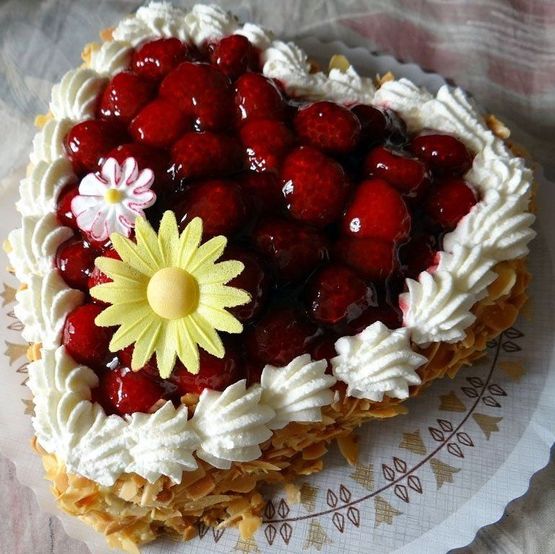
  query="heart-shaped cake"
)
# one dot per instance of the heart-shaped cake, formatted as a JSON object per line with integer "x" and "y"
{"x": 230, "y": 259}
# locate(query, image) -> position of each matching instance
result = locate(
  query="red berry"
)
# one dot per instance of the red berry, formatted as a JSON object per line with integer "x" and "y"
{"x": 450, "y": 201}
{"x": 159, "y": 124}
{"x": 266, "y": 142}
{"x": 373, "y": 123}
{"x": 233, "y": 55}
{"x": 407, "y": 175}
{"x": 147, "y": 158}
{"x": 263, "y": 189}
{"x": 258, "y": 98}
{"x": 313, "y": 186}
{"x": 418, "y": 255}
{"x": 201, "y": 91}
{"x": 75, "y": 260}
{"x": 206, "y": 154}
{"x": 444, "y": 154}
{"x": 97, "y": 277}
{"x": 87, "y": 143}
{"x": 214, "y": 373}
{"x": 280, "y": 336}
{"x": 372, "y": 258}
{"x": 85, "y": 342}
{"x": 218, "y": 203}
{"x": 323, "y": 348}
{"x": 157, "y": 58}
{"x": 386, "y": 314}
{"x": 150, "y": 368}
{"x": 293, "y": 249}
{"x": 63, "y": 210}
{"x": 337, "y": 294}
{"x": 124, "y": 96}
{"x": 122, "y": 391}
{"x": 328, "y": 126}
{"x": 377, "y": 210}
{"x": 254, "y": 279}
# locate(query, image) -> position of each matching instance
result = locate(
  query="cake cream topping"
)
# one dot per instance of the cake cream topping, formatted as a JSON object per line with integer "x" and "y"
{"x": 230, "y": 425}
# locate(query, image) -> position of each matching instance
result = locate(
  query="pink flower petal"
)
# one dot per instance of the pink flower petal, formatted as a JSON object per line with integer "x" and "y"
{"x": 129, "y": 172}
{"x": 111, "y": 172}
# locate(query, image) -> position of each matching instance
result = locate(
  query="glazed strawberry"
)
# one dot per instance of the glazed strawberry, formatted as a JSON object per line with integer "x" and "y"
{"x": 214, "y": 373}
{"x": 292, "y": 249}
{"x": 257, "y": 97}
{"x": 337, "y": 294}
{"x": 85, "y": 342}
{"x": 266, "y": 142}
{"x": 159, "y": 124}
{"x": 63, "y": 209}
{"x": 147, "y": 157}
{"x": 373, "y": 122}
{"x": 97, "y": 277}
{"x": 219, "y": 203}
{"x": 372, "y": 258}
{"x": 233, "y": 55}
{"x": 122, "y": 391}
{"x": 386, "y": 314}
{"x": 206, "y": 154}
{"x": 201, "y": 91}
{"x": 263, "y": 190}
{"x": 254, "y": 279}
{"x": 450, "y": 201}
{"x": 155, "y": 59}
{"x": 125, "y": 357}
{"x": 323, "y": 348}
{"x": 75, "y": 260}
{"x": 406, "y": 174}
{"x": 443, "y": 154}
{"x": 88, "y": 142}
{"x": 418, "y": 255}
{"x": 124, "y": 96}
{"x": 280, "y": 336}
{"x": 377, "y": 210}
{"x": 313, "y": 185}
{"x": 328, "y": 126}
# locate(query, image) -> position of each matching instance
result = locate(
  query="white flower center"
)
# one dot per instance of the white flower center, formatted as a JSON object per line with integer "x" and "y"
{"x": 173, "y": 293}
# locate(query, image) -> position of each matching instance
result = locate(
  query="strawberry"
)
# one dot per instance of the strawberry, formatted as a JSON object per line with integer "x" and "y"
{"x": 443, "y": 154}
{"x": 328, "y": 126}
{"x": 418, "y": 255}
{"x": 407, "y": 175}
{"x": 159, "y": 124}
{"x": 123, "y": 97}
{"x": 450, "y": 201}
{"x": 233, "y": 55}
{"x": 377, "y": 210}
{"x": 257, "y": 97}
{"x": 85, "y": 342}
{"x": 337, "y": 294}
{"x": 219, "y": 203}
{"x": 202, "y": 92}
{"x": 266, "y": 142}
{"x": 155, "y": 59}
{"x": 263, "y": 189}
{"x": 372, "y": 258}
{"x": 373, "y": 123}
{"x": 75, "y": 261}
{"x": 63, "y": 209}
{"x": 206, "y": 154}
{"x": 313, "y": 185}
{"x": 97, "y": 277}
{"x": 122, "y": 391}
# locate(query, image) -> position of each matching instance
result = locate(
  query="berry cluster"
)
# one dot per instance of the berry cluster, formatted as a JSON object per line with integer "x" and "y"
{"x": 329, "y": 207}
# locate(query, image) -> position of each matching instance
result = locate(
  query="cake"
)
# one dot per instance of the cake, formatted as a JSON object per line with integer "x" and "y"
{"x": 229, "y": 259}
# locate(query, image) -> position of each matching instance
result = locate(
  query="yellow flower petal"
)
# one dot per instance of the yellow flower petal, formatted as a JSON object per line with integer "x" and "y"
{"x": 146, "y": 343}
{"x": 147, "y": 242}
{"x": 219, "y": 273}
{"x": 207, "y": 254}
{"x": 166, "y": 351}
{"x": 220, "y": 319}
{"x": 205, "y": 335}
{"x": 132, "y": 255}
{"x": 222, "y": 296}
{"x": 168, "y": 239}
{"x": 128, "y": 332}
{"x": 188, "y": 243}
{"x": 116, "y": 269}
{"x": 116, "y": 291}
{"x": 122, "y": 314}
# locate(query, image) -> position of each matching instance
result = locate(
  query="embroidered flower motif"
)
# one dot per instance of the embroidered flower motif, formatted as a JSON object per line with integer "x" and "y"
{"x": 111, "y": 200}
{"x": 168, "y": 295}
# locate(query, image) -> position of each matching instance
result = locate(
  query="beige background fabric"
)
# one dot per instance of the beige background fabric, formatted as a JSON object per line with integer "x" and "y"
{"x": 503, "y": 52}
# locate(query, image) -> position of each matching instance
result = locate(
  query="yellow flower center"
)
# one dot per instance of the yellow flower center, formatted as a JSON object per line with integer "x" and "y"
{"x": 113, "y": 196}
{"x": 173, "y": 293}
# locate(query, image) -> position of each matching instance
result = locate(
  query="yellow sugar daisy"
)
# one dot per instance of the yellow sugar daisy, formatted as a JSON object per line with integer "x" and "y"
{"x": 168, "y": 295}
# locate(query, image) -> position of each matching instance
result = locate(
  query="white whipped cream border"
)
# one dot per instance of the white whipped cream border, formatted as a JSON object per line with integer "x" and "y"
{"x": 436, "y": 307}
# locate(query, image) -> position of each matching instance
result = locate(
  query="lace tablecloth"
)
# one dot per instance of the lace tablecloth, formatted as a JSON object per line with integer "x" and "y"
{"x": 504, "y": 53}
